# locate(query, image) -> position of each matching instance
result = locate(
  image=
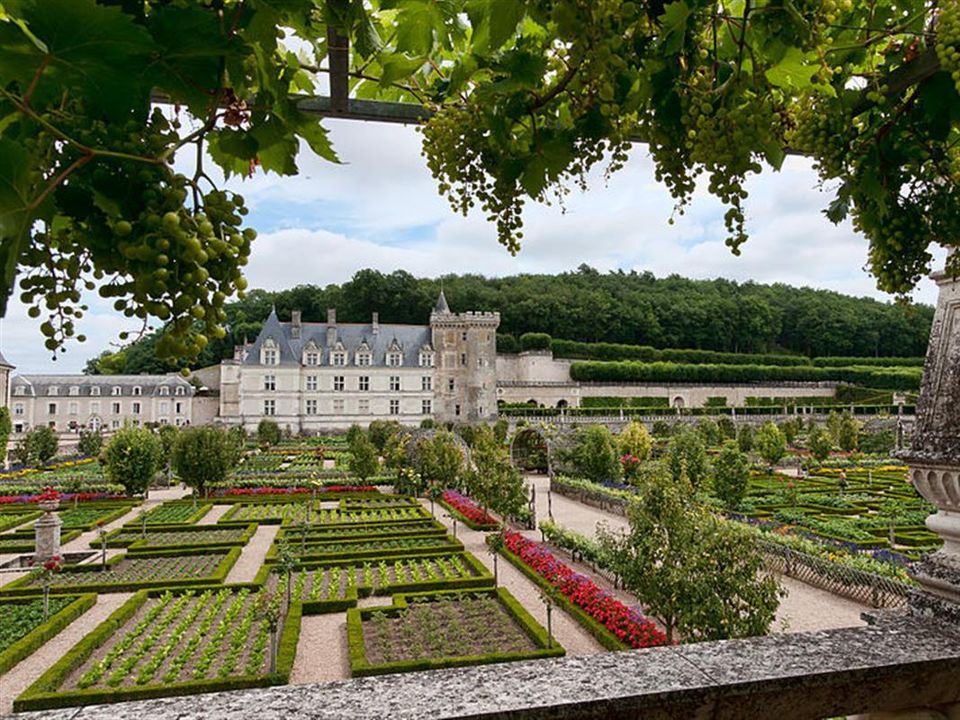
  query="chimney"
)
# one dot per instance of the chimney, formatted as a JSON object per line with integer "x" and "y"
{"x": 295, "y": 324}
{"x": 331, "y": 327}
{"x": 376, "y": 323}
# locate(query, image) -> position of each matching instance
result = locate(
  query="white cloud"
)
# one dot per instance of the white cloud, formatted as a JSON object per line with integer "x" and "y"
{"x": 345, "y": 217}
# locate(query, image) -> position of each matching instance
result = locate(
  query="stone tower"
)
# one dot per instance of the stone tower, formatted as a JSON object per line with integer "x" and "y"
{"x": 466, "y": 364}
{"x": 5, "y": 369}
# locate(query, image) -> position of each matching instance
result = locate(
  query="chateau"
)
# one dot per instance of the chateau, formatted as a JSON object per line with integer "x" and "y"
{"x": 318, "y": 376}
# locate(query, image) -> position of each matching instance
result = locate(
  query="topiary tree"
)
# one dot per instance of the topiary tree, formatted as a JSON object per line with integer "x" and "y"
{"x": 635, "y": 440}
{"x": 770, "y": 443}
{"x": 168, "y": 439}
{"x": 268, "y": 432}
{"x": 702, "y": 577}
{"x": 90, "y": 443}
{"x": 203, "y": 456}
{"x": 132, "y": 458}
{"x": 595, "y": 454}
{"x": 686, "y": 455}
{"x": 731, "y": 474}
{"x": 353, "y": 432}
{"x": 507, "y": 344}
{"x": 745, "y": 438}
{"x": 818, "y": 443}
{"x": 364, "y": 462}
{"x": 535, "y": 341}
{"x": 500, "y": 430}
{"x": 727, "y": 428}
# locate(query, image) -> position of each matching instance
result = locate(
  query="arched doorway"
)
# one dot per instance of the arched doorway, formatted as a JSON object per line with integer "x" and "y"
{"x": 678, "y": 402}
{"x": 562, "y": 404}
{"x": 529, "y": 451}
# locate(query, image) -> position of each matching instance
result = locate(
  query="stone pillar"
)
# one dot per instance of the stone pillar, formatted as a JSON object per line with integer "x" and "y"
{"x": 47, "y": 534}
{"x": 934, "y": 459}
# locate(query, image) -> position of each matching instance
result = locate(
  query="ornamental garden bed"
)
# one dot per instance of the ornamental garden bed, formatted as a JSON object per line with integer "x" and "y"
{"x": 320, "y": 533}
{"x": 291, "y": 513}
{"x": 177, "y": 512}
{"x": 467, "y": 511}
{"x": 426, "y": 631}
{"x": 135, "y": 571}
{"x": 23, "y": 629}
{"x": 334, "y": 586}
{"x": 178, "y": 535}
{"x": 386, "y": 547}
{"x": 24, "y": 542}
{"x": 86, "y": 517}
{"x": 9, "y": 520}
{"x": 166, "y": 643}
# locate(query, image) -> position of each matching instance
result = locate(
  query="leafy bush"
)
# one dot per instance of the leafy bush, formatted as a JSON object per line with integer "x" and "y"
{"x": 268, "y": 432}
{"x": 645, "y": 353}
{"x": 535, "y": 341}
{"x": 203, "y": 455}
{"x": 90, "y": 443}
{"x": 507, "y": 344}
{"x": 595, "y": 454}
{"x": 132, "y": 458}
{"x": 731, "y": 474}
{"x": 770, "y": 443}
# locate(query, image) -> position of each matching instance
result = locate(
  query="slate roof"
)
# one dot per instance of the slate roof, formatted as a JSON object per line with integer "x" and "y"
{"x": 410, "y": 338}
{"x": 38, "y": 385}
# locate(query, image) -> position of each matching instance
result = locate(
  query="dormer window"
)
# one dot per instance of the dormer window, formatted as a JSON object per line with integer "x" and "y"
{"x": 364, "y": 357}
{"x": 53, "y": 390}
{"x": 95, "y": 390}
{"x": 426, "y": 358}
{"x": 74, "y": 390}
{"x": 164, "y": 390}
{"x": 269, "y": 353}
{"x": 312, "y": 358}
{"x": 116, "y": 390}
{"x": 338, "y": 355}
{"x": 179, "y": 390}
{"x": 394, "y": 359}
{"x": 137, "y": 390}
{"x": 20, "y": 390}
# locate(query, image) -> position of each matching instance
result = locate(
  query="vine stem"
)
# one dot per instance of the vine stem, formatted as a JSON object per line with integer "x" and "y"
{"x": 75, "y": 165}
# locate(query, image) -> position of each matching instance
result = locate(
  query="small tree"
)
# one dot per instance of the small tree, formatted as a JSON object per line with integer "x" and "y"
{"x": 770, "y": 443}
{"x": 709, "y": 431}
{"x": 745, "y": 438}
{"x": 789, "y": 430}
{"x": 728, "y": 430}
{"x": 636, "y": 441}
{"x": 595, "y": 454}
{"x": 439, "y": 459}
{"x": 496, "y": 484}
{"x": 201, "y": 456}
{"x": 268, "y": 432}
{"x": 90, "y": 443}
{"x": 353, "y": 432}
{"x": 41, "y": 445}
{"x": 818, "y": 443}
{"x": 834, "y": 421}
{"x": 731, "y": 474}
{"x": 687, "y": 455}
{"x": 500, "y": 429}
{"x": 380, "y": 431}
{"x": 132, "y": 458}
{"x": 364, "y": 462}
{"x": 700, "y": 576}
{"x": 848, "y": 432}
{"x": 6, "y": 427}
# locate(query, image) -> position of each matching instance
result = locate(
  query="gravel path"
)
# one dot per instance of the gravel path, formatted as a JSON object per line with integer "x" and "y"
{"x": 22, "y": 675}
{"x": 214, "y": 514}
{"x": 566, "y": 630}
{"x": 251, "y": 559}
{"x": 805, "y": 608}
{"x": 322, "y": 648}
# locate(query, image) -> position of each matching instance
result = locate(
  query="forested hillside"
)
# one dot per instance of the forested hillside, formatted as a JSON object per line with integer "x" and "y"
{"x": 589, "y": 306}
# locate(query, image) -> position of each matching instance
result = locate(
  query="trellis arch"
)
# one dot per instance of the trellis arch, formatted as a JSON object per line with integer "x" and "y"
{"x": 530, "y": 449}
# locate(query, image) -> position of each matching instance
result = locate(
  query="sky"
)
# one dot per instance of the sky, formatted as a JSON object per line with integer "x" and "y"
{"x": 380, "y": 209}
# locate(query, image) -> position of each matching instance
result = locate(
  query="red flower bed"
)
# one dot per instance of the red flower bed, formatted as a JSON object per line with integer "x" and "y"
{"x": 629, "y": 625}
{"x": 10, "y": 499}
{"x": 468, "y": 508}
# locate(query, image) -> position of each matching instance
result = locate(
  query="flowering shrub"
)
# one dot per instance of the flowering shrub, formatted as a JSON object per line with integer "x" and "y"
{"x": 48, "y": 495}
{"x": 35, "y": 497}
{"x": 468, "y": 508}
{"x": 631, "y": 466}
{"x": 627, "y": 624}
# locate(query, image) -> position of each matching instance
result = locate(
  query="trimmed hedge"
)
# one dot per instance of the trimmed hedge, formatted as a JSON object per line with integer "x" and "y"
{"x": 17, "y": 518}
{"x": 33, "y": 640}
{"x": 667, "y": 372}
{"x": 28, "y": 541}
{"x": 644, "y": 353}
{"x": 361, "y": 667}
{"x": 139, "y": 546}
{"x": 871, "y": 361}
{"x": 443, "y": 546}
{"x": 535, "y": 341}
{"x": 44, "y": 694}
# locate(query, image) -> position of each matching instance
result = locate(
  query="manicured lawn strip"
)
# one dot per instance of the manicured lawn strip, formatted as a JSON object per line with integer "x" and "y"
{"x": 26, "y": 543}
{"x": 13, "y": 519}
{"x": 60, "y": 586}
{"x": 31, "y": 642}
{"x": 473, "y": 524}
{"x": 193, "y": 537}
{"x": 360, "y": 666}
{"x": 45, "y": 693}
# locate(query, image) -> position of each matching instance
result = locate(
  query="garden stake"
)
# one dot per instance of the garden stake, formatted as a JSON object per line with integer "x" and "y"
{"x": 549, "y": 625}
{"x": 143, "y": 526}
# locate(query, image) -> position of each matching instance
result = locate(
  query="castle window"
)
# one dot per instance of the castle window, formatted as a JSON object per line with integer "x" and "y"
{"x": 363, "y": 383}
{"x": 164, "y": 407}
{"x": 269, "y": 407}
{"x": 426, "y": 359}
{"x": 137, "y": 390}
{"x": 18, "y": 409}
{"x": 51, "y": 408}
{"x": 164, "y": 390}
{"x": 338, "y": 382}
{"x": 394, "y": 383}
{"x": 136, "y": 408}
{"x": 426, "y": 407}
{"x": 464, "y": 336}
{"x": 179, "y": 391}
{"x": 53, "y": 390}
{"x": 115, "y": 407}
{"x": 426, "y": 383}
{"x": 338, "y": 406}
{"x": 116, "y": 390}
{"x": 363, "y": 359}
{"x": 269, "y": 382}
{"x": 20, "y": 390}
{"x": 394, "y": 359}
{"x": 338, "y": 358}
{"x": 363, "y": 406}
{"x": 311, "y": 407}
{"x": 74, "y": 390}
{"x": 311, "y": 383}
{"x": 463, "y": 359}
{"x": 269, "y": 353}
{"x": 313, "y": 358}
{"x": 451, "y": 384}
{"x": 394, "y": 407}
{"x": 456, "y": 410}
{"x": 74, "y": 408}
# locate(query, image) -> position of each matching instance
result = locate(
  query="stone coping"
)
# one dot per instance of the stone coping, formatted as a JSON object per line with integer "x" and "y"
{"x": 903, "y": 662}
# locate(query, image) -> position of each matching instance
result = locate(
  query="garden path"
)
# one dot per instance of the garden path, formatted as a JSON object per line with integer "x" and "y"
{"x": 322, "y": 648}
{"x": 214, "y": 515}
{"x": 26, "y": 672}
{"x": 253, "y": 554}
{"x": 804, "y": 608}
{"x": 566, "y": 630}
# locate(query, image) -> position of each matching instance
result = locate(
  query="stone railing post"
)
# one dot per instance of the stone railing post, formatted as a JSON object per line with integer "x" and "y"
{"x": 934, "y": 458}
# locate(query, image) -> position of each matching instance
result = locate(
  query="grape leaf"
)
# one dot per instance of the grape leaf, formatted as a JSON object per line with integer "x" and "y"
{"x": 673, "y": 23}
{"x": 503, "y": 17}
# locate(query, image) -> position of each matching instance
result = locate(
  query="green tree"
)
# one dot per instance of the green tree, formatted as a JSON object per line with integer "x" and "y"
{"x": 701, "y": 577}
{"x": 268, "y": 432}
{"x": 635, "y": 440}
{"x": 834, "y": 422}
{"x": 789, "y": 430}
{"x": 848, "y": 432}
{"x": 709, "y": 431}
{"x": 818, "y": 442}
{"x": 727, "y": 428}
{"x": 364, "y": 462}
{"x": 439, "y": 459}
{"x": 90, "y": 443}
{"x": 687, "y": 456}
{"x": 770, "y": 443}
{"x": 731, "y": 475}
{"x": 353, "y": 432}
{"x": 595, "y": 454}
{"x": 380, "y": 431}
{"x": 495, "y": 483}
{"x": 203, "y": 456}
{"x": 745, "y": 438}
{"x": 38, "y": 446}
{"x": 6, "y": 427}
{"x": 132, "y": 458}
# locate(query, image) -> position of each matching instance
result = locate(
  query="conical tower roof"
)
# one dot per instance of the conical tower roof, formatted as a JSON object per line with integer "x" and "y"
{"x": 4, "y": 363}
{"x": 441, "y": 306}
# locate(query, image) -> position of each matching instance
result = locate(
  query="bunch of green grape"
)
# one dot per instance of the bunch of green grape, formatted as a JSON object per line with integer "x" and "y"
{"x": 948, "y": 39}
{"x": 826, "y": 133}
